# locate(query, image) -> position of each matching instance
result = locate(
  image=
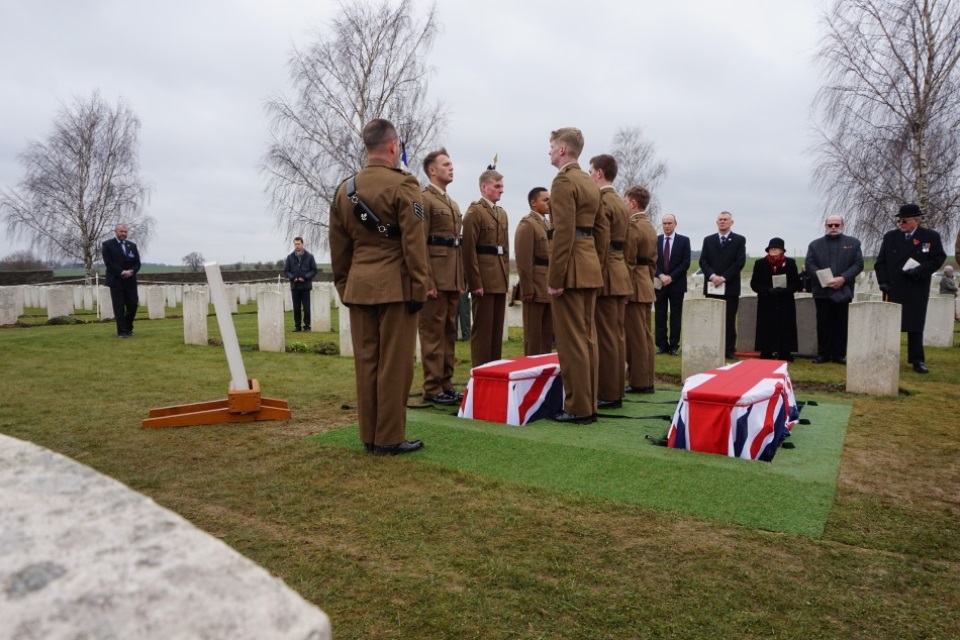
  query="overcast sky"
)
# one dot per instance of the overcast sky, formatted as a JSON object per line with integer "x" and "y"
{"x": 721, "y": 87}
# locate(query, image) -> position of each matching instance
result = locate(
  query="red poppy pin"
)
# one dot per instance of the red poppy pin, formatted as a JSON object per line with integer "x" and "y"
{"x": 915, "y": 242}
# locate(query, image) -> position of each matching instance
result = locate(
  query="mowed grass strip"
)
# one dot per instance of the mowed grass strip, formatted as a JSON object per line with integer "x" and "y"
{"x": 395, "y": 548}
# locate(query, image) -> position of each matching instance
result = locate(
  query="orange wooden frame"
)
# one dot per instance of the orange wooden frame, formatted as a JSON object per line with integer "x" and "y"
{"x": 240, "y": 406}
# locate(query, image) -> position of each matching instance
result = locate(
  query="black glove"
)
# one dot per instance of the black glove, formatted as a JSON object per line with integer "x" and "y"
{"x": 884, "y": 287}
{"x": 413, "y": 307}
{"x": 778, "y": 291}
{"x": 914, "y": 274}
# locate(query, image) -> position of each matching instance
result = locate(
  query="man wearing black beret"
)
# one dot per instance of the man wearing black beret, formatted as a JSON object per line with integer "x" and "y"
{"x": 907, "y": 260}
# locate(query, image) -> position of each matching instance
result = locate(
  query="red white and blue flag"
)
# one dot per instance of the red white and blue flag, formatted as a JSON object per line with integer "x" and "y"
{"x": 515, "y": 391}
{"x": 743, "y": 410}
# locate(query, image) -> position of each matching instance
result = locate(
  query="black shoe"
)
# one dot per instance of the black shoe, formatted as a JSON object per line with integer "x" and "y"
{"x": 663, "y": 352}
{"x": 407, "y": 446}
{"x": 442, "y": 398}
{"x": 674, "y": 352}
{"x": 920, "y": 367}
{"x": 730, "y": 355}
{"x": 307, "y": 329}
{"x": 125, "y": 334}
{"x": 296, "y": 329}
{"x": 453, "y": 393}
{"x": 840, "y": 360}
{"x": 368, "y": 447}
{"x": 571, "y": 418}
{"x": 821, "y": 359}
{"x": 639, "y": 390}
{"x": 609, "y": 404}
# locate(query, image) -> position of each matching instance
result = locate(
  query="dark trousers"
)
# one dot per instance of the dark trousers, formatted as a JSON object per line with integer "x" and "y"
{"x": 915, "y": 347}
{"x": 486, "y": 334}
{"x": 673, "y": 299}
{"x": 831, "y": 328}
{"x": 125, "y": 301}
{"x": 732, "y": 305}
{"x": 301, "y": 298}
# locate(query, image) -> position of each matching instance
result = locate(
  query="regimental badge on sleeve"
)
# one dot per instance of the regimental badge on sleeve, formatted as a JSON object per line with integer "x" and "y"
{"x": 418, "y": 210}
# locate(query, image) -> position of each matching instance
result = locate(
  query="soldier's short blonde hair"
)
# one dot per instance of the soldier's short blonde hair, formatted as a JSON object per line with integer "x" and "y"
{"x": 569, "y": 137}
{"x": 490, "y": 175}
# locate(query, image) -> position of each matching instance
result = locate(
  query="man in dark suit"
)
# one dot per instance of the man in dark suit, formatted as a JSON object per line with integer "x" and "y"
{"x": 300, "y": 268}
{"x": 673, "y": 261}
{"x": 722, "y": 259}
{"x": 122, "y": 261}
{"x": 906, "y": 262}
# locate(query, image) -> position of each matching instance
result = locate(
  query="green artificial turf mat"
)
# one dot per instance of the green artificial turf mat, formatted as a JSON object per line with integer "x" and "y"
{"x": 612, "y": 459}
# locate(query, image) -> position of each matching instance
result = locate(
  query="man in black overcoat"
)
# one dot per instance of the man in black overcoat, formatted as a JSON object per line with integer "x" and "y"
{"x": 122, "y": 261}
{"x": 722, "y": 259}
{"x": 908, "y": 258}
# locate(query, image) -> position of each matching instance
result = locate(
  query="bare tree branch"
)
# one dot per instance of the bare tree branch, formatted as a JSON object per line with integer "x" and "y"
{"x": 637, "y": 164}
{"x": 80, "y": 183}
{"x": 889, "y": 113}
{"x": 366, "y": 63}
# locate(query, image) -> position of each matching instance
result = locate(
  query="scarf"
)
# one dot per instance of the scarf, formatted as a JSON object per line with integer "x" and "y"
{"x": 776, "y": 264}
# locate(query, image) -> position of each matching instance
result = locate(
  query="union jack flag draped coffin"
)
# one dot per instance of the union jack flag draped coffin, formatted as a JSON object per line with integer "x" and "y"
{"x": 514, "y": 392}
{"x": 742, "y": 410}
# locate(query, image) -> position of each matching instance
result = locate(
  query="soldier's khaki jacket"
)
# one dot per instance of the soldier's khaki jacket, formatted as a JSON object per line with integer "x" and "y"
{"x": 484, "y": 225}
{"x": 441, "y": 217}
{"x": 574, "y": 202}
{"x": 369, "y": 268}
{"x": 616, "y": 276}
{"x": 640, "y": 254}
{"x": 532, "y": 241}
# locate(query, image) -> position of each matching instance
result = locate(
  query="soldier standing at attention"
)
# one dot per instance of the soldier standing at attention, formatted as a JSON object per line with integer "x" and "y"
{"x": 574, "y": 276}
{"x": 641, "y": 257}
{"x": 532, "y": 246}
{"x": 378, "y": 253}
{"x": 612, "y": 299}
{"x": 486, "y": 261}
{"x": 438, "y": 320}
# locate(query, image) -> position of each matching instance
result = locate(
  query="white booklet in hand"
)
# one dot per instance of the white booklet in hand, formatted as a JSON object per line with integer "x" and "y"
{"x": 910, "y": 264}
{"x": 780, "y": 280}
{"x": 824, "y": 276}
{"x": 716, "y": 290}
{"x": 657, "y": 284}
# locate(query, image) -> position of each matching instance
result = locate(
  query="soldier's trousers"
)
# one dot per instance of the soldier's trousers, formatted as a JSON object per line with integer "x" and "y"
{"x": 639, "y": 345}
{"x": 537, "y": 328}
{"x": 573, "y": 322}
{"x": 611, "y": 346}
{"x": 438, "y": 336}
{"x": 486, "y": 333}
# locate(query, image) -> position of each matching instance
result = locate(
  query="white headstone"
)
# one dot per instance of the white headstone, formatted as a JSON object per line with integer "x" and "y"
{"x": 287, "y": 299}
{"x": 346, "y": 337}
{"x": 746, "y": 323}
{"x": 228, "y": 333}
{"x": 19, "y": 294}
{"x": 77, "y": 296}
{"x": 938, "y": 330}
{"x": 171, "y": 294}
{"x": 231, "y": 294}
{"x": 806, "y": 324}
{"x": 703, "y": 335}
{"x": 104, "y": 303}
{"x": 156, "y": 299}
{"x": 243, "y": 294}
{"x": 8, "y": 306}
{"x": 320, "y": 307}
{"x": 59, "y": 302}
{"x": 270, "y": 322}
{"x": 88, "y": 297}
{"x": 195, "y": 317}
{"x": 873, "y": 348}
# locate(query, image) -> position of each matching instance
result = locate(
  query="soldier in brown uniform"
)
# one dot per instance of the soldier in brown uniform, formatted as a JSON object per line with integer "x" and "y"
{"x": 640, "y": 253}
{"x": 379, "y": 257}
{"x": 486, "y": 261}
{"x": 532, "y": 247}
{"x": 574, "y": 276}
{"x": 617, "y": 286}
{"x": 438, "y": 320}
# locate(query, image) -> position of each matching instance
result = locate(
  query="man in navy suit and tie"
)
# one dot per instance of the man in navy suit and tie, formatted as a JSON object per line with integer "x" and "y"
{"x": 722, "y": 259}
{"x": 673, "y": 261}
{"x": 122, "y": 260}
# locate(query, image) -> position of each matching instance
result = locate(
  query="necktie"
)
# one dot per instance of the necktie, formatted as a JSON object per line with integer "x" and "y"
{"x": 907, "y": 236}
{"x": 723, "y": 241}
{"x": 666, "y": 252}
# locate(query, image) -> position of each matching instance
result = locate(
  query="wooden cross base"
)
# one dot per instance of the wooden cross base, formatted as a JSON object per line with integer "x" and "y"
{"x": 240, "y": 406}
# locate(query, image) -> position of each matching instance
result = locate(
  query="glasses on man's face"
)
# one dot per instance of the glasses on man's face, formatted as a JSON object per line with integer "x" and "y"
{"x": 901, "y": 220}
{"x": 834, "y": 225}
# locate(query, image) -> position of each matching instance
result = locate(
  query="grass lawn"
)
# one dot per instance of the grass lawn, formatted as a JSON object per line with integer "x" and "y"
{"x": 412, "y": 547}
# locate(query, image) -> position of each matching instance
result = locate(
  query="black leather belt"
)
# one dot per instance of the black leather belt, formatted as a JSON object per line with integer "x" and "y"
{"x": 494, "y": 250}
{"x": 543, "y": 262}
{"x": 643, "y": 262}
{"x": 616, "y": 245}
{"x": 584, "y": 232}
{"x": 444, "y": 241}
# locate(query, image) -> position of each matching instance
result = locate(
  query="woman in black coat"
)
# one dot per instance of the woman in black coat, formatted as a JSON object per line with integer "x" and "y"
{"x": 776, "y": 313}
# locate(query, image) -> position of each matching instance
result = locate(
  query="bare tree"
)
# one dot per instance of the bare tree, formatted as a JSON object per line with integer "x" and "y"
{"x": 367, "y": 63}
{"x": 22, "y": 261}
{"x": 889, "y": 113}
{"x": 80, "y": 183}
{"x": 637, "y": 164}
{"x": 194, "y": 260}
